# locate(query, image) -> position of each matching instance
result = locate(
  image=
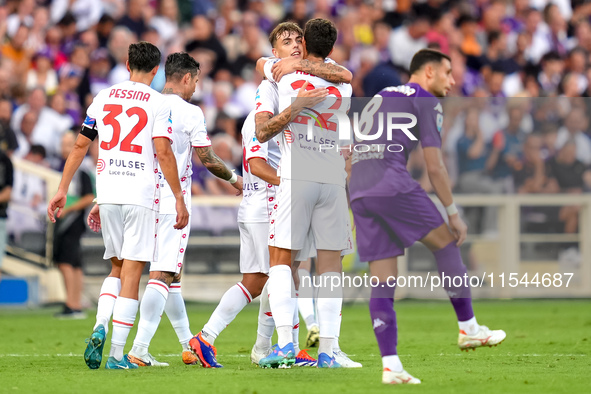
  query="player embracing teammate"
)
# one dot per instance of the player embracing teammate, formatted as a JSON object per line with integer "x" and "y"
{"x": 311, "y": 198}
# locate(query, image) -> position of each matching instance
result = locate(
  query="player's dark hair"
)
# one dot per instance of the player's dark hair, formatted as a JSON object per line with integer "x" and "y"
{"x": 143, "y": 56}
{"x": 282, "y": 28}
{"x": 178, "y": 65}
{"x": 38, "y": 150}
{"x": 425, "y": 56}
{"x": 320, "y": 35}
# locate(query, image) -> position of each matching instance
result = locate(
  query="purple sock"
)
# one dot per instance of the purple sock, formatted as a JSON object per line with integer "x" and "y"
{"x": 449, "y": 263}
{"x": 383, "y": 317}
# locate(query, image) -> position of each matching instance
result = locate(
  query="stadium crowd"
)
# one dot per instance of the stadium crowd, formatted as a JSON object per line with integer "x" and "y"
{"x": 57, "y": 54}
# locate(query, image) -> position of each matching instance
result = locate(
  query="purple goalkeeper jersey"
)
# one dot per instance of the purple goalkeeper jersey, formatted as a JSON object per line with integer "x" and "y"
{"x": 379, "y": 166}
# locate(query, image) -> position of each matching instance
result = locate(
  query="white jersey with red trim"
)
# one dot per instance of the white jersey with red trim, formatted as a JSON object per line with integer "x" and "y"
{"x": 258, "y": 196}
{"x": 188, "y": 131}
{"x": 311, "y": 158}
{"x": 127, "y": 116}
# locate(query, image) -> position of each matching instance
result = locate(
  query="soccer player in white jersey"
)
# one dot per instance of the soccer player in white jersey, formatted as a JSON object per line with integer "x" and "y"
{"x": 260, "y": 178}
{"x": 163, "y": 292}
{"x": 316, "y": 178}
{"x": 133, "y": 124}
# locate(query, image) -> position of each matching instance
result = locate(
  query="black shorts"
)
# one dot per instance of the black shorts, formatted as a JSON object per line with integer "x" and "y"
{"x": 66, "y": 241}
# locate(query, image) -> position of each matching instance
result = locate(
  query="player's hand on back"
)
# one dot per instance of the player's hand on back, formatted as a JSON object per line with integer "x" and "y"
{"x": 94, "y": 219}
{"x": 182, "y": 215}
{"x": 238, "y": 185}
{"x": 458, "y": 228}
{"x": 284, "y": 67}
{"x": 309, "y": 98}
{"x": 57, "y": 202}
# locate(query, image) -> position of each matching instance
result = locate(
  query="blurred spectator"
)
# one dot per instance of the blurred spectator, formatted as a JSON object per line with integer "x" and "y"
{"x": 473, "y": 152}
{"x": 576, "y": 124}
{"x": 468, "y": 26}
{"x": 507, "y": 147}
{"x": 551, "y": 74}
{"x": 70, "y": 78}
{"x": 42, "y": 74}
{"x": 557, "y": 38}
{"x": 202, "y": 36}
{"x": 166, "y": 21}
{"x": 86, "y": 12}
{"x": 8, "y": 142}
{"x": 17, "y": 54}
{"x": 68, "y": 230}
{"x": 380, "y": 76}
{"x": 47, "y": 130}
{"x": 529, "y": 173}
{"x": 567, "y": 175}
{"x": 22, "y": 16}
{"x": 25, "y": 135}
{"x": 406, "y": 40}
{"x": 29, "y": 190}
{"x": 298, "y": 14}
{"x": 6, "y": 183}
{"x": 118, "y": 43}
{"x": 134, "y": 17}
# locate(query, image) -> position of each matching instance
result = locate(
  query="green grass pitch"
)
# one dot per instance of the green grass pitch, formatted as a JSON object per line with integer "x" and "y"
{"x": 547, "y": 350}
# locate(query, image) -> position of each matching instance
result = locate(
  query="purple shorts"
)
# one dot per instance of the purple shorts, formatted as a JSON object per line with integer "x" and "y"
{"x": 385, "y": 226}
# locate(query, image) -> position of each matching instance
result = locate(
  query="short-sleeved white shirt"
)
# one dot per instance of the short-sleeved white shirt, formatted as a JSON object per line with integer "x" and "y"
{"x": 128, "y": 116}
{"x": 301, "y": 156}
{"x": 188, "y": 131}
{"x": 258, "y": 195}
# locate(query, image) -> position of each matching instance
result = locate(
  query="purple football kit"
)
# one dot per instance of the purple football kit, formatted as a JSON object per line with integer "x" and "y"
{"x": 391, "y": 209}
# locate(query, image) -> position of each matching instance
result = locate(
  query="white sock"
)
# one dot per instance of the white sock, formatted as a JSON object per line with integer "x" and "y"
{"x": 306, "y": 304}
{"x": 123, "y": 318}
{"x": 266, "y": 323}
{"x": 296, "y": 328}
{"x": 281, "y": 301}
{"x": 329, "y": 303}
{"x": 470, "y": 327}
{"x": 335, "y": 345}
{"x": 232, "y": 302}
{"x": 177, "y": 314}
{"x": 106, "y": 301}
{"x": 151, "y": 309}
{"x": 392, "y": 363}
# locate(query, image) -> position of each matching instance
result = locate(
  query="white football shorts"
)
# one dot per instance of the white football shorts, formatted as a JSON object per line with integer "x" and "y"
{"x": 254, "y": 250}
{"x": 304, "y": 206}
{"x": 171, "y": 245}
{"x": 129, "y": 232}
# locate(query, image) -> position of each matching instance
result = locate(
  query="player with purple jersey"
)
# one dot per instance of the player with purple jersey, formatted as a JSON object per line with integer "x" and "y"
{"x": 392, "y": 211}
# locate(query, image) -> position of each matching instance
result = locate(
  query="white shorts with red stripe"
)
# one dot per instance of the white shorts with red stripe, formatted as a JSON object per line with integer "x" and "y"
{"x": 172, "y": 245}
{"x": 129, "y": 232}
{"x": 305, "y": 207}
{"x": 254, "y": 251}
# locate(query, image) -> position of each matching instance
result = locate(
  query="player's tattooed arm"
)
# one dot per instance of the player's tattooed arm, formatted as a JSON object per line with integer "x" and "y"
{"x": 268, "y": 126}
{"x": 213, "y": 163}
{"x": 327, "y": 71}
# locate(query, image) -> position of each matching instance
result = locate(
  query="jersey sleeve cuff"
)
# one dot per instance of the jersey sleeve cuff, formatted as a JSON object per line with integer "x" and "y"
{"x": 256, "y": 157}
{"x": 162, "y": 136}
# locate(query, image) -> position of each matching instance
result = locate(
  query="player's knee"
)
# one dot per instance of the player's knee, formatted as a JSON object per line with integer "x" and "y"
{"x": 162, "y": 276}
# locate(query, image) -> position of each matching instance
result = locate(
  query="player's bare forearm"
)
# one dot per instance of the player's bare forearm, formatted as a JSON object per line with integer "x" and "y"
{"x": 213, "y": 163}
{"x": 438, "y": 175}
{"x": 5, "y": 194}
{"x": 74, "y": 160}
{"x": 167, "y": 163}
{"x": 268, "y": 126}
{"x": 327, "y": 71}
{"x": 259, "y": 167}
{"x": 260, "y": 64}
